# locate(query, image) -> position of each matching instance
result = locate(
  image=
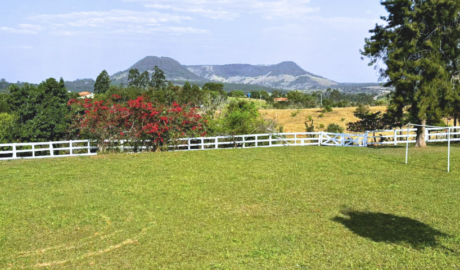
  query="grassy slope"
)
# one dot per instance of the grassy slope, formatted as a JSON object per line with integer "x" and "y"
{"x": 272, "y": 208}
{"x": 297, "y": 123}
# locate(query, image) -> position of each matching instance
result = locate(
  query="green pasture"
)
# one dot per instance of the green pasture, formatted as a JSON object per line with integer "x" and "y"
{"x": 276, "y": 208}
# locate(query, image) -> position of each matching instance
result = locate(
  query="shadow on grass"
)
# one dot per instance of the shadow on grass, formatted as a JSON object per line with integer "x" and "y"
{"x": 386, "y": 228}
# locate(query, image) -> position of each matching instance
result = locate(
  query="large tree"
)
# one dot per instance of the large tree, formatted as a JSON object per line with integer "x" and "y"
{"x": 40, "y": 111}
{"x": 133, "y": 77}
{"x": 418, "y": 45}
{"x": 158, "y": 79}
{"x": 102, "y": 84}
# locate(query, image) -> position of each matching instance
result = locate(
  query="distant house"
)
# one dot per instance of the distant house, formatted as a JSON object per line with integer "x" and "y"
{"x": 281, "y": 99}
{"x": 86, "y": 95}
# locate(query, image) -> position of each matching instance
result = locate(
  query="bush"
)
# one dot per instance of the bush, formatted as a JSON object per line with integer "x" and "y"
{"x": 327, "y": 109}
{"x": 155, "y": 126}
{"x": 334, "y": 128}
{"x": 6, "y": 124}
{"x": 240, "y": 118}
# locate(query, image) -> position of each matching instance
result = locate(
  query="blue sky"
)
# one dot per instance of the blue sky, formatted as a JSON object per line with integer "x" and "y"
{"x": 78, "y": 39}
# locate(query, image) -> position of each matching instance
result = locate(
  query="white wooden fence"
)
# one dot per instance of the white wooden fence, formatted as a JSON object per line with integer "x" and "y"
{"x": 369, "y": 138}
{"x": 47, "y": 150}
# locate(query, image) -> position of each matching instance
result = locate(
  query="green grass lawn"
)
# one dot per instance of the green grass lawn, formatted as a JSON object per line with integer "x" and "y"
{"x": 277, "y": 208}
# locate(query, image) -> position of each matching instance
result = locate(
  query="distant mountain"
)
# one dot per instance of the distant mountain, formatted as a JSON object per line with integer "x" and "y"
{"x": 173, "y": 70}
{"x": 286, "y": 75}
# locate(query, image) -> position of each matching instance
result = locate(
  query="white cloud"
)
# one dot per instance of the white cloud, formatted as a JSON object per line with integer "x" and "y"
{"x": 110, "y": 18}
{"x": 27, "y": 29}
{"x": 103, "y": 23}
{"x": 230, "y": 9}
{"x": 208, "y": 13}
{"x": 170, "y": 30}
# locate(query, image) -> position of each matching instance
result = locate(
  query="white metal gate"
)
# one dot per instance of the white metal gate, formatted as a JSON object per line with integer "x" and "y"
{"x": 339, "y": 139}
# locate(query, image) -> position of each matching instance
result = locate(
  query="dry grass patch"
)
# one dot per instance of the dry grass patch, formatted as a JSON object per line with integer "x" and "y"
{"x": 340, "y": 116}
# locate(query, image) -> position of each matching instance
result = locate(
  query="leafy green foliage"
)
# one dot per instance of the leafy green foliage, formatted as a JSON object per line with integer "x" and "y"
{"x": 334, "y": 128}
{"x": 419, "y": 47}
{"x": 41, "y": 111}
{"x": 158, "y": 78}
{"x": 215, "y": 87}
{"x": 241, "y": 117}
{"x": 133, "y": 77}
{"x": 6, "y": 125}
{"x": 237, "y": 94}
{"x": 102, "y": 83}
{"x": 4, "y": 106}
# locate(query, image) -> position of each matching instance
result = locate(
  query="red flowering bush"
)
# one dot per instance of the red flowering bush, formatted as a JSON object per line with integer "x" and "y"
{"x": 139, "y": 122}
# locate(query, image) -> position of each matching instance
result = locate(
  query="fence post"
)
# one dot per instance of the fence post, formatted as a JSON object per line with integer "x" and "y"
{"x": 270, "y": 140}
{"x": 51, "y": 150}
{"x": 407, "y": 144}
{"x": 71, "y": 147}
{"x": 189, "y": 148}
{"x": 395, "y": 138}
{"x": 320, "y": 139}
{"x": 257, "y": 141}
{"x": 14, "y": 151}
{"x": 202, "y": 143}
{"x": 448, "y": 153}
{"x": 89, "y": 147}
{"x": 217, "y": 143}
{"x": 122, "y": 146}
{"x": 366, "y": 135}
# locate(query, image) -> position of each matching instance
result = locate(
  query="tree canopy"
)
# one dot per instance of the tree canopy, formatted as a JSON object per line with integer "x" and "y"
{"x": 419, "y": 45}
{"x": 102, "y": 84}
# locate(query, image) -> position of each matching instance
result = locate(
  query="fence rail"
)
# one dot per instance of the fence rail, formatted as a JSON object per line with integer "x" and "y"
{"x": 369, "y": 138}
{"x": 47, "y": 150}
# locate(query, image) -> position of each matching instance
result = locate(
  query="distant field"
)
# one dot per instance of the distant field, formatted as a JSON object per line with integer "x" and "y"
{"x": 276, "y": 208}
{"x": 296, "y": 123}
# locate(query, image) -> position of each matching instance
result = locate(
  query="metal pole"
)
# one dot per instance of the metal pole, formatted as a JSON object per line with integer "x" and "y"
{"x": 407, "y": 144}
{"x": 448, "y": 153}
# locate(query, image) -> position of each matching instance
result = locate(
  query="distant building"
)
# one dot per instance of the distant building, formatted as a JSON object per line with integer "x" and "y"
{"x": 86, "y": 95}
{"x": 281, "y": 99}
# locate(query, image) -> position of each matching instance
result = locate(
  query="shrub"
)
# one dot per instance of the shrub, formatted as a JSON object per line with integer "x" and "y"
{"x": 321, "y": 126}
{"x": 327, "y": 108}
{"x": 294, "y": 114}
{"x": 241, "y": 117}
{"x": 334, "y": 128}
{"x": 6, "y": 124}
{"x": 144, "y": 123}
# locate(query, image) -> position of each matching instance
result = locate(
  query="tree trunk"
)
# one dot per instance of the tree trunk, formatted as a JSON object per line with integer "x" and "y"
{"x": 421, "y": 140}
{"x": 455, "y": 124}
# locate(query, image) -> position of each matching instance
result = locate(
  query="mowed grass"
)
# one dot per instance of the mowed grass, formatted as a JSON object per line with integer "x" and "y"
{"x": 277, "y": 208}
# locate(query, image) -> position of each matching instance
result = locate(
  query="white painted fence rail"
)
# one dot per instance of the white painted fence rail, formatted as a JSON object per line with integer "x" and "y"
{"x": 47, "y": 150}
{"x": 369, "y": 138}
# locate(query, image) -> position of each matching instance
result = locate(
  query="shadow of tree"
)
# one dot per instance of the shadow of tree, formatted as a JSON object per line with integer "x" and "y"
{"x": 387, "y": 228}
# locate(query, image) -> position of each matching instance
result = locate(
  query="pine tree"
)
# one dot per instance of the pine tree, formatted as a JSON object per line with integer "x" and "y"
{"x": 417, "y": 45}
{"x": 102, "y": 84}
